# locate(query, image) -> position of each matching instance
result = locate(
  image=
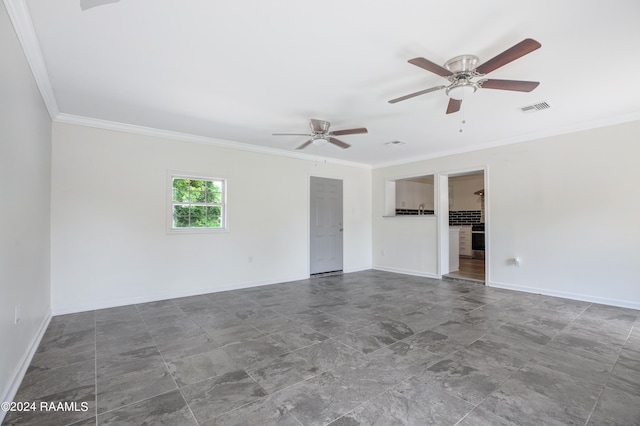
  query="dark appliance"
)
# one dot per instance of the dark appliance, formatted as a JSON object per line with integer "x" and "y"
{"x": 477, "y": 240}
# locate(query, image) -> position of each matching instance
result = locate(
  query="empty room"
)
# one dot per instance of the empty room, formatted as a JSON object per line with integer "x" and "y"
{"x": 319, "y": 213}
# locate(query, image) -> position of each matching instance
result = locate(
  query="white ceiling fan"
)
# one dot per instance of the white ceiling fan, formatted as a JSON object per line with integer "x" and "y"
{"x": 462, "y": 70}
{"x": 321, "y": 135}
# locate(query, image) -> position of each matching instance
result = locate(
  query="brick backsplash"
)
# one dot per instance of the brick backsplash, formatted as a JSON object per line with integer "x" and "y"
{"x": 410, "y": 212}
{"x": 464, "y": 217}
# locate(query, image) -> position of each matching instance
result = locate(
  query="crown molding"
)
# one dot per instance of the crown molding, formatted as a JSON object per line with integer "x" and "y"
{"x": 187, "y": 137}
{"x": 21, "y": 20}
{"x": 20, "y": 17}
{"x": 574, "y": 128}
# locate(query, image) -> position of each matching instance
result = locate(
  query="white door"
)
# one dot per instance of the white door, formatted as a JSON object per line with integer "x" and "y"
{"x": 326, "y": 225}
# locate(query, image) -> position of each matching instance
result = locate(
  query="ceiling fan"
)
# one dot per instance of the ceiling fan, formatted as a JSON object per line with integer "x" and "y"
{"x": 462, "y": 70}
{"x": 320, "y": 134}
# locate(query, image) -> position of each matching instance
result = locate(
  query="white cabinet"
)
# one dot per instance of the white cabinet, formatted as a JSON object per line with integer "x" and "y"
{"x": 404, "y": 195}
{"x": 454, "y": 251}
{"x": 414, "y": 195}
{"x": 465, "y": 241}
{"x": 423, "y": 195}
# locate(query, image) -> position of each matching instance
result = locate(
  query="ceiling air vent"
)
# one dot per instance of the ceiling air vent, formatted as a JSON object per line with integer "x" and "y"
{"x": 536, "y": 107}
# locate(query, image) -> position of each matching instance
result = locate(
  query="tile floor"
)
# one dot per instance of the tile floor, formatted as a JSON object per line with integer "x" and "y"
{"x": 366, "y": 348}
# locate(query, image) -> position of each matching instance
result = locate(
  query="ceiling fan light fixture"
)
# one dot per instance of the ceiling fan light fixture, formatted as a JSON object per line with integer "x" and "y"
{"x": 318, "y": 141}
{"x": 461, "y": 91}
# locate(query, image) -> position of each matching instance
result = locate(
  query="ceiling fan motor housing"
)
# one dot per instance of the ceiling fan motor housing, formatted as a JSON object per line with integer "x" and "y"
{"x": 463, "y": 69}
{"x": 324, "y": 127}
{"x": 462, "y": 64}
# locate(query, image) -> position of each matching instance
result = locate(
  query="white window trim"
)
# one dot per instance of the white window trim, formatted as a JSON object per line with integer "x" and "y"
{"x": 171, "y": 174}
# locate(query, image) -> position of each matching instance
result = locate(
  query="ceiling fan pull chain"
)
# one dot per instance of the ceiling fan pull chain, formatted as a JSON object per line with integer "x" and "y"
{"x": 462, "y": 113}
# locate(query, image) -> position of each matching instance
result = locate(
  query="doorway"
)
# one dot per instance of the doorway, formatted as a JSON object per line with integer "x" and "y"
{"x": 326, "y": 226}
{"x": 467, "y": 226}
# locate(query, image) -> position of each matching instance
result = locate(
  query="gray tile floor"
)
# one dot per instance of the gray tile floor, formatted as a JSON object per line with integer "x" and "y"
{"x": 367, "y": 348}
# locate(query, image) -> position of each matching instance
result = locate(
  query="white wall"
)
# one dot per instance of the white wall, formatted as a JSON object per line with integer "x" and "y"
{"x": 405, "y": 244}
{"x": 109, "y": 204}
{"x": 462, "y": 189}
{"x": 25, "y": 161}
{"x": 562, "y": 204}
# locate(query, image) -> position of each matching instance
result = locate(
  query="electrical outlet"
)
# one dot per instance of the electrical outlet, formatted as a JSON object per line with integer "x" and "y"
{"x": 17, "y": 314}
{"x": 516, "y": 262}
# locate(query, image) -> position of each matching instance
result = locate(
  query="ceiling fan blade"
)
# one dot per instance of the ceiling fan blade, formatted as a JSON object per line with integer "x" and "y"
{"x": 412, "y": 95}
{"x": 517, "y": 85}
{"x": 305, "y": 144}
{"x": 319, "y": 126}
{"x": 291, "y": 134}
{"x": 349, "y": 131}
{"x": 430, "y": 66}
{"x": 454, "y": 105}
{"x": 525, "y": 46}
{"x": 339, "y": 143}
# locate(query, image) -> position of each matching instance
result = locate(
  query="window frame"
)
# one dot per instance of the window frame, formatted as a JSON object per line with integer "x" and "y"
{"x": 224, "y": 224}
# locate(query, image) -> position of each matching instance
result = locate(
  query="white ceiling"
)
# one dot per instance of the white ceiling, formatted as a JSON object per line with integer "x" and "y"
{"x": 241, "y": 70}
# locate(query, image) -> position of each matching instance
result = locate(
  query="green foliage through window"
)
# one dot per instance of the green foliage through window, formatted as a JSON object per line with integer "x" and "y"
{"x": 197, "y": 203}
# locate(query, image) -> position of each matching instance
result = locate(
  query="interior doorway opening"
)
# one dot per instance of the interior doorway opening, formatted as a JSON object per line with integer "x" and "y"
{"x": 467, "y": 218}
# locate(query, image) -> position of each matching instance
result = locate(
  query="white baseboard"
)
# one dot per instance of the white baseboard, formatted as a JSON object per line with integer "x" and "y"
{"x": 357, "y": 269}
{"x": 406, "y": 272}
{"x": 566, "y": 295}
{"x": 238, "y": 286}
{"x": 172, "y": 295}
{"x": 14, "y": 384}
{"x": 112, "y": 303}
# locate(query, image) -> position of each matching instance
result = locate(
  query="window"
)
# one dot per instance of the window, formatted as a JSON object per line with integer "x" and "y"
{"x": 197, "y": 203}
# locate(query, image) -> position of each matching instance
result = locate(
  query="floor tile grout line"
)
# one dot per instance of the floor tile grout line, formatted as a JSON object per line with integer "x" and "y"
{"x": 179, "y": 388}
{"x": 395, "y": 386}
{"x": 604, "y": 387}
{"x": 199, "y": 326}
{"x": 465, "y": 416}
{"x": 529, "y": 361}
{"x": 66, "y": 365}
{"x": 188, "y": 407}
{"x": 316, "y": 375}
{"x": 264, "y": 397}
{"x": 291, "y": 351}
{"x": 623, "y": 345}
{"x": 503, "y": 381}
{"x": 501, "y": 384}
{"x": 151, "y": 397}
{"x": 595, "y": 404}
{"x": 135, "y": 402}
{"x": 295, "y": 418}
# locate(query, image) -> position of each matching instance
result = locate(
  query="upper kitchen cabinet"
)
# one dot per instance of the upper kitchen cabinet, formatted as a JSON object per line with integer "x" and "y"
{"x": 404, "y": 195}
{"x": 414, "y": 195}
